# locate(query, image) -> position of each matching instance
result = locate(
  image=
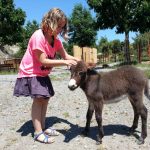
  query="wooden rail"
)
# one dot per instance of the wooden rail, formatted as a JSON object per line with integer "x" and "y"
{"x": 7, "y": 67}
{"x": 10, "y": 64}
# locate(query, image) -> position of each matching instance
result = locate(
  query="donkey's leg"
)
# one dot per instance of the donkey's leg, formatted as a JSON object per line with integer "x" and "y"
{"x": 142, "y": 111}
{"x": 88, "y": 118}
{"x": 143, "y": 114}
{"x": 98, "y": 106}
{"x": 136, "y": 116}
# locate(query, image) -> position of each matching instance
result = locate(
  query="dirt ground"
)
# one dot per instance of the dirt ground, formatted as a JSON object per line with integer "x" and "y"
{"x": 66, "y": 113}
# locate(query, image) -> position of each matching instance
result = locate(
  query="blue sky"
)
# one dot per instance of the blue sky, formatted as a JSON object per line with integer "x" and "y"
{"x": 35, "y": 9}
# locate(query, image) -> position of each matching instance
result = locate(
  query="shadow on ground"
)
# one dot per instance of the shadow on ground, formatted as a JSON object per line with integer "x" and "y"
{"x": 75, "y": 130}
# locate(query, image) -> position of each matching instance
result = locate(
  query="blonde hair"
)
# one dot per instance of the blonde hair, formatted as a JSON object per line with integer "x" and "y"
{"x": 51, "y": 19}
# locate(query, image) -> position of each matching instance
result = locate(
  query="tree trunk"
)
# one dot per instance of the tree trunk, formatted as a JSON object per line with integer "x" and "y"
{"x": 82, "y": 54}
{"x": 127, "y": 51}
{"x": 139, "y": 51}
{"x": 148, "y": 49}
{"x": 2, "y": 48}
{"x": 115, "y": 57}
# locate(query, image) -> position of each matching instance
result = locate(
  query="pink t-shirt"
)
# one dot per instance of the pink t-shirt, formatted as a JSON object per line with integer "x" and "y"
{"x": 30, "y": 66}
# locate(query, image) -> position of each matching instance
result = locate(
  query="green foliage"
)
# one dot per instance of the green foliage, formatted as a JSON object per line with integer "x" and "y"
{"x": 103, "y": 45}
{"x": 82, "y": 29}
{"x": 116, "y": 46}
{"x": 11, "y": 23}
{"x": 144, "y": 39}
{"x": 27, "y": 32}
{"x": 125, "y": 15}
{"x": 147, "y": 72}
{"x": 141, "y": 21}
{"x": 140, "y": 46}
{"x": 68, "y": 47}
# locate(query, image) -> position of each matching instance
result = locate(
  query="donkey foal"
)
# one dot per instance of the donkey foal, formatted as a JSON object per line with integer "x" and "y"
{"x": 105, "y": 87}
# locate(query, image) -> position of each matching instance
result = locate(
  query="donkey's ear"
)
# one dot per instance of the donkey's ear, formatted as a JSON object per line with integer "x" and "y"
{"x": 91, "y": 72}
{"x": 90, "y": 65}
{"x": 90, "y": 68}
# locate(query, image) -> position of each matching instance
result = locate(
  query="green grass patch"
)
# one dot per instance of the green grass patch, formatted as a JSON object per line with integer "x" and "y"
{"x": 5, "y": 72}
{"x": 61, "y": 76}
{"x": 147, "y": 72}
{"x": 66, "y": 114}
{"x": 145, "y": 67}
{"x": 142, "y": 65}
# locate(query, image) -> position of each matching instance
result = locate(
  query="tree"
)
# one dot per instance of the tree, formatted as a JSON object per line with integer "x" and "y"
{"x": 68, "y": 47}
{"x": 125, "y": 15}
{"x": 11, "y": 23}
{"x": 82, "y": 29}
{"x": 116, "y": 48}
{"x": 27, "y": 32}
{"x": 142, "y": 43}
{"x": 103, "y": 43}
{"x": 103, "y": 46}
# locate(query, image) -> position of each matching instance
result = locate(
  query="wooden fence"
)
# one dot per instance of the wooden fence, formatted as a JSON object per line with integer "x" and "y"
{"x": 10, "y": 64}
{"x": 85, "y": 53}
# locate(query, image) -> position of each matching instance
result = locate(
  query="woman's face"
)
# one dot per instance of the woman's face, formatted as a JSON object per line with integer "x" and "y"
{"x": 58, "y": 30}
{"x": 60, "y": 26}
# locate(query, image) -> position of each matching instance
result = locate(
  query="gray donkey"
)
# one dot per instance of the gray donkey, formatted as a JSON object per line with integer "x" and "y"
{"x": 101, "y": 88}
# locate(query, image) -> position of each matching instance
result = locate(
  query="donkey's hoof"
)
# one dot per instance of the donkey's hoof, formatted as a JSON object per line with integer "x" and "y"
{"x": 140, "y": 141}
{"x": 98, "y": 143}
{"x": 99, "y": 140}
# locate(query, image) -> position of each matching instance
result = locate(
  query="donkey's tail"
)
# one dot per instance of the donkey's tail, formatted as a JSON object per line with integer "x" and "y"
{"x": 146, "y": 90}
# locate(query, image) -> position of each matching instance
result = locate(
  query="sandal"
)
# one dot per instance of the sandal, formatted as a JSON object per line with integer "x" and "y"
{"x": 46, "y": 140}
{"x": 51, "y": 132}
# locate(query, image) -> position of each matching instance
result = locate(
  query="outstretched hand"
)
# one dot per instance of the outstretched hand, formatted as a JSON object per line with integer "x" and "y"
{"x": 70, "y": 62}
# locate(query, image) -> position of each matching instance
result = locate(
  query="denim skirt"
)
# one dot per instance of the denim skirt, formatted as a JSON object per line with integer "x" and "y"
{"x": 35, "y": 87}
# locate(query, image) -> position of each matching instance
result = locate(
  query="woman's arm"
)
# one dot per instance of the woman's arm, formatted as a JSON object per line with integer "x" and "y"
{"x": 66, "y": 56}
{"x": 53, "y": 62}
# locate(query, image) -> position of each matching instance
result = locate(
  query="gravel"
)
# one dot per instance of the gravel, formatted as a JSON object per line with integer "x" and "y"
{"x": 66, "y": 113}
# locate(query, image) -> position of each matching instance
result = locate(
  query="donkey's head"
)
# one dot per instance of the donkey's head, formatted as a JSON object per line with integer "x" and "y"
{"x": 79, "y": 73}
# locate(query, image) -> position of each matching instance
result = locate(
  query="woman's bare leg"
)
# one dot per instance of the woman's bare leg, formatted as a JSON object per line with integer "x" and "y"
{"x": 43, "y": 113}
{"x": 39, "y": 108}
{"x": 36, "y": 114}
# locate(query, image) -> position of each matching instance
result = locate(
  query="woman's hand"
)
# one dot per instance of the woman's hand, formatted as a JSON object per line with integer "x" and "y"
{"x": 77, "y": 59}
{"x": 70, "y": 62}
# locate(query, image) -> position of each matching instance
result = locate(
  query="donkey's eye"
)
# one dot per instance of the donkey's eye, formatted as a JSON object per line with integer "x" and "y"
{"x": 81, "y": 73}
{"x": 69, "y": 68}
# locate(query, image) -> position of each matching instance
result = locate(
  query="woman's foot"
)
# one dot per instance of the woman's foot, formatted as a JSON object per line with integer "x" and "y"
{"x": 43, "y": 138}
{"x": 51, "y": 132}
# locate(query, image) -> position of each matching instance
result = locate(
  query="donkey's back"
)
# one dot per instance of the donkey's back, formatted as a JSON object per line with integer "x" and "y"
{"x": 124, "y": 80}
